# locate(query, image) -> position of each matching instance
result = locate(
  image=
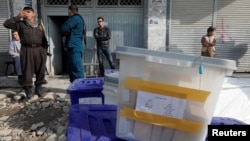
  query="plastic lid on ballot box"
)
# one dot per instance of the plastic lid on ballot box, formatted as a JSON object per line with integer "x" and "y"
{"x": 86, "y": 84}
{"x": 175, "y": 58}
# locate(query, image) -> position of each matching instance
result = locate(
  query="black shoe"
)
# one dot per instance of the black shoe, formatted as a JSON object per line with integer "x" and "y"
{"x": 20, "y": 79}
{"x": 39, "y": 90}
{"x": 28, "y": 92}
{"x": 19, "y": 76}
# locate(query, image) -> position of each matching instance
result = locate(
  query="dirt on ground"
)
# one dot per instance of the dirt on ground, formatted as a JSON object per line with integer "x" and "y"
{"x": 26, "y": 116}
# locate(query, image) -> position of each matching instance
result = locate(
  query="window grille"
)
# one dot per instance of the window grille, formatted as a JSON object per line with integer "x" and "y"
{"x": 57, "y": 2}
{"x": 119, "y": 3}
{"x": 101, "y": 3}
{"x": 67, "y": 2}
{"x": 107, "y": 2}
{"x": 130, "y": 2}
{"x": 81, "y": 2}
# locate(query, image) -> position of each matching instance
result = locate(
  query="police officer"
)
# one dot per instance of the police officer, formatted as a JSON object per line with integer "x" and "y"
{"x": 33, "y": 50}
{"x": 75, "y": 30}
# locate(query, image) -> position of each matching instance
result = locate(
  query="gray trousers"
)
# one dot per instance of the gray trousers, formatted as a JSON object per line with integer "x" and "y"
{"x": 18, "y": 65}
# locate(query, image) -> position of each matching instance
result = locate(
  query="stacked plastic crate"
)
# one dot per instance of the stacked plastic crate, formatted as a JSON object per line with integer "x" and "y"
{"x": 86, "y": 91}
{"x": 94, "y": 122}
{"x": 89, "y": 119}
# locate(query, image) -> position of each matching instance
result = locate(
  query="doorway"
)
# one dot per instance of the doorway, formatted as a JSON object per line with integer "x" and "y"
{"x": 58, "y": 58}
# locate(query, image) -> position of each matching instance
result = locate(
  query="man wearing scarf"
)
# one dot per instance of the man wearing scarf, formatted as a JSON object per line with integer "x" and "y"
{"x": 208, "y": 42}
{"x": 34, "y": 47}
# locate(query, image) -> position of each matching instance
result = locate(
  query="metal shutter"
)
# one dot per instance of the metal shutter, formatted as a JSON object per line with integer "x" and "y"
{"x": 233, "y": 32}
{"x": 189, "y": 22}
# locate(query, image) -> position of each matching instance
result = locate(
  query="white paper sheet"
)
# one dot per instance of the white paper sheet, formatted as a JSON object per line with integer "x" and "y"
{"x": 161, "y": 105}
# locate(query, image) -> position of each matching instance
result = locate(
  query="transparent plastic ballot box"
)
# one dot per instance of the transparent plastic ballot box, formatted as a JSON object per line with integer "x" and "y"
{"x": 164, "y": 96}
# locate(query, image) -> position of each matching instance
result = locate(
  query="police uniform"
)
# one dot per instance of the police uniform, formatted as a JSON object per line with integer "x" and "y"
{"x": 74, "y": 46}
{"x": 33, "y": 52}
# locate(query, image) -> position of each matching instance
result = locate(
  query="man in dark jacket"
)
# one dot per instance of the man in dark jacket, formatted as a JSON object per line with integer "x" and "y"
{"x": 75, "y": 31}
{"x": 33, "y": 50}
{"x": 102, "y": 35}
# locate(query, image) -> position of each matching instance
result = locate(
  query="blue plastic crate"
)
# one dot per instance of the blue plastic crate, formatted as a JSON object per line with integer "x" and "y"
{"x": 92, "y": 123}
{"x": 225, "y": 121}
{"x": 84, "y": 88}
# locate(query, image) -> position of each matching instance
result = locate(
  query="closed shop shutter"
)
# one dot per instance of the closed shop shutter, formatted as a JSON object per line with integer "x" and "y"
{"x": 233, "y": 32}
{"x": 189, "y": 22}
{"x": 4, "y": 36}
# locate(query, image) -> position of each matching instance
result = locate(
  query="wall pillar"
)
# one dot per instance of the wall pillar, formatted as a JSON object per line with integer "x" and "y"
{"x": 155, "y": 24}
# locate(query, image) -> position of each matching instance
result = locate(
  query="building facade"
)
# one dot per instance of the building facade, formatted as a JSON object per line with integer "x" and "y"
{"x": 167, "y": 25}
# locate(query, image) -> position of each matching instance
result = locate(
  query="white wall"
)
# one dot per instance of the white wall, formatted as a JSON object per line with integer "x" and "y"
{"x": 155, "y": 24}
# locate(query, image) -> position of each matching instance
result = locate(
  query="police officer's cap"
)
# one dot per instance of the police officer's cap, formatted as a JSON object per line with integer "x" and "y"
{"x": 28, "y": 8}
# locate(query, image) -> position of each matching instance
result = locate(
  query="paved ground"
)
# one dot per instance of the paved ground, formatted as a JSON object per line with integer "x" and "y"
{"x": 43, "y": 120}
{"x": 234, "y": 98}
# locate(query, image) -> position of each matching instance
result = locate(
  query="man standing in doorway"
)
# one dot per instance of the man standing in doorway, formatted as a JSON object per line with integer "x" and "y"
{"x": 75, "y": 30}
{"x": 102, "y": 35}
{"x": 33, "y": 50}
